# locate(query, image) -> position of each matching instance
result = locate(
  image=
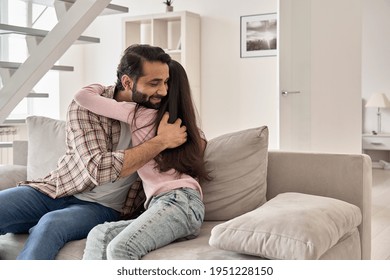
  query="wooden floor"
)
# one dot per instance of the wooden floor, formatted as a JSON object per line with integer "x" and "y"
{"x": 380, "y": 215}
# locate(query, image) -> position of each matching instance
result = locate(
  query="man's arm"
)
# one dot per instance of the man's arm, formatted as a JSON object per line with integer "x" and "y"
{"x": 168, "y": 136}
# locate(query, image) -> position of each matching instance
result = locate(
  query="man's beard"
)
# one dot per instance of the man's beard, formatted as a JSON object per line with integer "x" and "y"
{"x": 144, "y": 100}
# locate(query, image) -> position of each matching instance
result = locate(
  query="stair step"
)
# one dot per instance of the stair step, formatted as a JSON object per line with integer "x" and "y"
{"x": 16, "y": 65}
{"x": 110, "y": 10}
{"x": 5, "y": 144}
{"x": 13, "y": 121}
{"x": 13, "y": 29}
{"x": 37, "y": 95}
{"x": 47, "y": 53}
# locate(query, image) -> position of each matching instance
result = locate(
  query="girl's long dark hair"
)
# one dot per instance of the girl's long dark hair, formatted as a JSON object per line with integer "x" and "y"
{"x": 187, "y": 158}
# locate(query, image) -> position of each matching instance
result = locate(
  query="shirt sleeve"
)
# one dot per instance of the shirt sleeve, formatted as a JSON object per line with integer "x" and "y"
{"x": 92, "y": 138}
{"x": 90, "y": 97}
{"x": 142, "y": 129}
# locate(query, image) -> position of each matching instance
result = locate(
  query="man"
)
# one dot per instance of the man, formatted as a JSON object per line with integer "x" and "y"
{"x": 92, "y": 179}
{"x": 174, "y": 207}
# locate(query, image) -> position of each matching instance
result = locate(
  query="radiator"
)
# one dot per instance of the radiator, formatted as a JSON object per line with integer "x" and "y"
{"x": 7, "y": 135}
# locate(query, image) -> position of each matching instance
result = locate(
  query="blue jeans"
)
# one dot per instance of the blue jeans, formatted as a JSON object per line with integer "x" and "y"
{"x": 170, "y": 216}
{"x": 50, "y": 222}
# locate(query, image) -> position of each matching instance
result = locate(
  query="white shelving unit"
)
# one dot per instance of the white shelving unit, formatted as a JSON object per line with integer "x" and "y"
{"x": 178, "y": 33}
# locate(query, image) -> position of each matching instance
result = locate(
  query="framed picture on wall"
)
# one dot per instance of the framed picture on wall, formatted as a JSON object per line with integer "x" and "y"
{"x": 259, "y": 35}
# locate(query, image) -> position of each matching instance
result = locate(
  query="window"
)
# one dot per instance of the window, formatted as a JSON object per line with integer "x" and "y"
{"x": 14, "y": 48}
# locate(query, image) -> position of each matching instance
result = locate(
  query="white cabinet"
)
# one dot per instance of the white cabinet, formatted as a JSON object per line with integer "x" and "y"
{"x": 377, "y": 147}
{"x": 376, "y": 142}
{"x": 178, "y": 33}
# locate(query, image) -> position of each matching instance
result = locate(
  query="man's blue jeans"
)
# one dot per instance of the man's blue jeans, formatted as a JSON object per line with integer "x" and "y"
{"x": 50, "y": 222}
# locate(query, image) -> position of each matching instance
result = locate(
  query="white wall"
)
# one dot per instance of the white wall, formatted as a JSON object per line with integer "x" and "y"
{"x": 336, "y": 57}
{"x": 236, "y": 93}
{"x": 376, "y": 60}
{"x": 71, "y": 82}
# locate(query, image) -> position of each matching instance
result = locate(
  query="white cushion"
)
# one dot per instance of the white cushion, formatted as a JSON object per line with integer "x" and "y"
{"x": 289, "y": 226}
{"x": 46, "y": 144}
{"x": 238, "y": 165}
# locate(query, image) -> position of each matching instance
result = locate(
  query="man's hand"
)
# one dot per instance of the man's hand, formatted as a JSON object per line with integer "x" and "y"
{"x": 171, "y": 135}
{"x": 168, "y": 136}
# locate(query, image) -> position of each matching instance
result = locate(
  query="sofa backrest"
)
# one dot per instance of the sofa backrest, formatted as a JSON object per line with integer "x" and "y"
{"x": 237, "y": 162}
{"x": 19, "y": 152}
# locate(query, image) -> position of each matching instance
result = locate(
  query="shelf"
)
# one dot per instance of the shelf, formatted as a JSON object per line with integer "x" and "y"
{"x": 6, "y": 29}
{"x": 16, "y": 65}
{"x": 109, "y": 10}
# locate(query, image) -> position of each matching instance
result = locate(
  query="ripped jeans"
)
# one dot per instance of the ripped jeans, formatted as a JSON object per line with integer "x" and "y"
{"x": 170, "y": 216}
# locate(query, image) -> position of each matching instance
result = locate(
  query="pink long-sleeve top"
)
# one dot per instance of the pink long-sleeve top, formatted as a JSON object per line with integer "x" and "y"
{"x": 154, "y": 182}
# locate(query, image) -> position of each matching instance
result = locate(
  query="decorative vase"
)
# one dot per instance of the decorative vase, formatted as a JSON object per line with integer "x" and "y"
{"x": 169, "y": 9}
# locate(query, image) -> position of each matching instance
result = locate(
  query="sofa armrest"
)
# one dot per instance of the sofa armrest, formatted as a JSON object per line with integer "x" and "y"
{"x": 20, "y": 149}
{"x": 10, "y": 175}
{"x": 342, "y": 176}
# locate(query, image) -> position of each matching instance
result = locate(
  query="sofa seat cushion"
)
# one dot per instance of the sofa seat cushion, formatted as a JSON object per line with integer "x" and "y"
{"x": 347, "y": 248}
{"x": 238, "y": 165}
{"x": 197, "y": 248}
{"x": 289, "y": 226}
{"x": 11, "y": 244}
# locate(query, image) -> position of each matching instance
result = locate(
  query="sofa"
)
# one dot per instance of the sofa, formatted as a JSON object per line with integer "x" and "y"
{"x": 261, "y": 204}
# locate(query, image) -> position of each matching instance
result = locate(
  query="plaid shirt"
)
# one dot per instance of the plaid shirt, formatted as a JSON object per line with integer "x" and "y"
{"x": 90, "y": 159}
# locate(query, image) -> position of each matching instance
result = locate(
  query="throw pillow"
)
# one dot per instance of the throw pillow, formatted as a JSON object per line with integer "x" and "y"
{"x": 289, "y": 226}
{"x": 46, "y": 144}
{"x": 238, "y": 165}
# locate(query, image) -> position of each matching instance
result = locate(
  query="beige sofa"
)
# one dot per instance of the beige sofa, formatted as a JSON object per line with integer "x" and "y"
{"x": 261, "y": 204}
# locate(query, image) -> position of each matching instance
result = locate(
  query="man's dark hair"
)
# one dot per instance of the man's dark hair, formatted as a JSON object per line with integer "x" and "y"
{"x": 131, "y": 63}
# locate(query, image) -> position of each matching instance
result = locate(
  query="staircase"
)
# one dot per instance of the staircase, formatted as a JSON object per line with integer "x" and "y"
{"x": 46, "y": 47}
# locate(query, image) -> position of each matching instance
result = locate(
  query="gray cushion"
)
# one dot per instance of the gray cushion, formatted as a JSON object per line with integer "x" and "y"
{"x": 46, "y": 144}
{"x": 11, "y": 174}
{"x": 238, "y": 165}
{"x": 20, "y": 152}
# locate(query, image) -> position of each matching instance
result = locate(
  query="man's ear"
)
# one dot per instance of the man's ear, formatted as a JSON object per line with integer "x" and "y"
{"x": 127, "y": 82}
